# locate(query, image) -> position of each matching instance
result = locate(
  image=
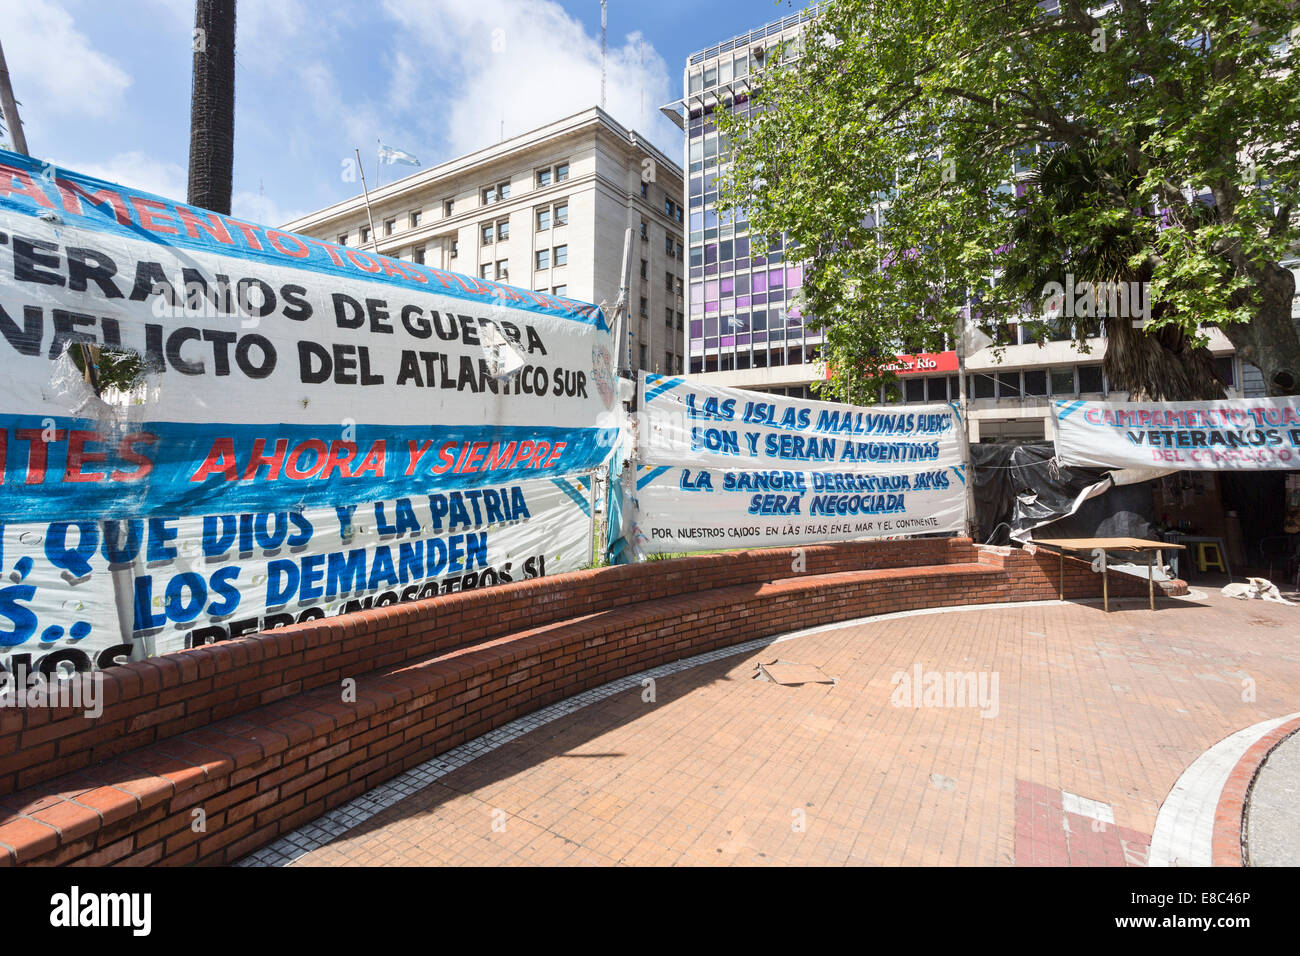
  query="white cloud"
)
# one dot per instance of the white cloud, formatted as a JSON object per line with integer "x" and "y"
{"x": 527, "y": 63}
{"x": 54, "y": 68}
{"x": 262, "y": 209}
{"x": 138, "y": 170}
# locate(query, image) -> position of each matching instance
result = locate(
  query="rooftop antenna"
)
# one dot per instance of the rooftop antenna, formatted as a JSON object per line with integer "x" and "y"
{"x": 602, "y": 54}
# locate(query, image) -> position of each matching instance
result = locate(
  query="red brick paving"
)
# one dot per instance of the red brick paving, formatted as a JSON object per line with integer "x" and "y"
{"x": 724, "y": 769}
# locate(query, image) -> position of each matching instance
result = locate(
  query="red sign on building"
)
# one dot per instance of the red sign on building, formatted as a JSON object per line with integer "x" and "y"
{"x": 926, "y": 363}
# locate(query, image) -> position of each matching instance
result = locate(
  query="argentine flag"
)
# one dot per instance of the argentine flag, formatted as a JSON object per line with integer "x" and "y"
{"x": 390, "y": 156}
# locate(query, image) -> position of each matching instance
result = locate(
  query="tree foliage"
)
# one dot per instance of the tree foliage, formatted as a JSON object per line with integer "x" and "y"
{"x": 888, "y": 146}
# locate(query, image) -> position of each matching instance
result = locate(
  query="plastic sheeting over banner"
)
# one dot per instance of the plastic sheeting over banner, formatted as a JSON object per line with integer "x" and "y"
{"x": 727, "y": 468}
{"x": 282, "y": 371}
{"x": 87, "y": 593}
{"x": 1020, "y": 489}
{"x": 1252, "y": 434}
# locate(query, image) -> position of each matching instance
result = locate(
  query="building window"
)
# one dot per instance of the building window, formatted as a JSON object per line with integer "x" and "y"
{"x": 562, "y": 213}
{"x": 487, "y": 232}
{"x": 561, "y": 172}
{"x": 644, "y": 309}
{"x": 485, "y": 271}
{"x": 365, "y": 234}
{"x": 668, "y": 281}
{"x": 561, "y": 255}
{"x": 543, "y": 220}
{"x": 417, "y": 256}
{"x": 643, "y": 357}
{"x": 447, "y": 206}
{"x": 503, "y": 230}
{"x": 543, "y": 177}
{"x": 543, "y": 259}
{"x": 503, "y": 270}
{"x": 645, "y": 269}
{"x": 668, "y": 361}
{"x": 559, "y": 290}
{"x": 645, "y": 190}
{"x": 1063, "y": 381}
{"x": 1090, "y": 379}
{"x": 668, "y": 317}
{"x": 645, "y": 230}
{"x": 679, "y": 325}
{"x": 343, "y": 239}
{"x": 668, "y": 245}
{"x": 495, "y": 193}
{"x": 416, "y": 216}
{"x": 455, "y": 248}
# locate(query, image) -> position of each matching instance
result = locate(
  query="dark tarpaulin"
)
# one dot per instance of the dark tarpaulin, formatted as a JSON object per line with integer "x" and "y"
{"x": 1019, "y": 488}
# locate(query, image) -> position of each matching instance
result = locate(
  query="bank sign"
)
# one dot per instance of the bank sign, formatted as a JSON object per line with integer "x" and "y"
{"x": 923, "y": 363}
{"x": 1255, "y": 434}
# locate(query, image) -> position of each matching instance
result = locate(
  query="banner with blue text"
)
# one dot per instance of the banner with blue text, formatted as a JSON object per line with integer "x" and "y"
{"x": 275, "y": 371}
{"x": 1246, "y": 434}
{"x": 728, "y": 468}
{"x": 85, "y": 594}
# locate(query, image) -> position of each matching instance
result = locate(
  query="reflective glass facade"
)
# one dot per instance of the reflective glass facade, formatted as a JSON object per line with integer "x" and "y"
{"x": 741, "y": 306}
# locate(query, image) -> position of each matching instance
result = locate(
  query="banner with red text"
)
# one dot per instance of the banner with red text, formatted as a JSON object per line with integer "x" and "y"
{"x": 1248, "y": 434}
{"x": 275, "y": 371}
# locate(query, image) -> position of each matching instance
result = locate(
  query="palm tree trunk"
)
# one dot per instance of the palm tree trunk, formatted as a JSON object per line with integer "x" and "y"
{"x": 212, "y": 106}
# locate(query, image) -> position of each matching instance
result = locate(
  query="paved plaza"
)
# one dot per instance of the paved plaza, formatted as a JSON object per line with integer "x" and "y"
{"x": 1039, "y": 734}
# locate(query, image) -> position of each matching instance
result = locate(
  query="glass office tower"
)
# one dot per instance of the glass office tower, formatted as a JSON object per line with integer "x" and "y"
{"x": 742, "y": 310}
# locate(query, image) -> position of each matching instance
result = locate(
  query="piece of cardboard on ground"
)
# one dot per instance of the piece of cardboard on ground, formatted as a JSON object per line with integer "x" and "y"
{"x": 791, "y": 673}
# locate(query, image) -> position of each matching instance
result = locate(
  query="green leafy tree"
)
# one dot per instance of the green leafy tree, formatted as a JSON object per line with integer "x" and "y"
{"x": 1163, "y": 365}
{"x": 887, "y": 144}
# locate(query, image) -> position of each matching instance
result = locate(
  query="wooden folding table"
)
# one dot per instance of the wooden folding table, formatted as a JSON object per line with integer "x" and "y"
{"x": 1099, "y": 546}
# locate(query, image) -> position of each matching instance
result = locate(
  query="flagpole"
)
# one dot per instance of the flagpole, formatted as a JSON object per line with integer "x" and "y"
{"x": 374, "y": 236}
{"x": 378, "y": 162}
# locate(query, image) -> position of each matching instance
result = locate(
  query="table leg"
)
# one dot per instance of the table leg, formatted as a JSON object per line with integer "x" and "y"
{"x": 1151, "y": 581}
{"x": 1105, "y": 584}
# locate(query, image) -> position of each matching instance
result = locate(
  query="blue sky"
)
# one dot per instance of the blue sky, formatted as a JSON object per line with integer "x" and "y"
{"x": 104, "y": 84}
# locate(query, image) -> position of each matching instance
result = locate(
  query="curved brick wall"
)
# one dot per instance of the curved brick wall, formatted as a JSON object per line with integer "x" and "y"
{"x": 254, "y": 730}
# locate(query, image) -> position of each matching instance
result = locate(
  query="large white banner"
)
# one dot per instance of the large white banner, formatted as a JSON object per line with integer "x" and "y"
{"x": 280, "y": 370}
{"x": 682, "y": 423}
{"x": 313, "y": 428}
{"x": 728, "y": 468}
{"x": 195, "y": 580}
{"x": 1252, "y": 434}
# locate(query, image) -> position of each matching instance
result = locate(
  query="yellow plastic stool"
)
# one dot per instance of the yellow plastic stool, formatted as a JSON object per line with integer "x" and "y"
{"x": 1203, "y": 559}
